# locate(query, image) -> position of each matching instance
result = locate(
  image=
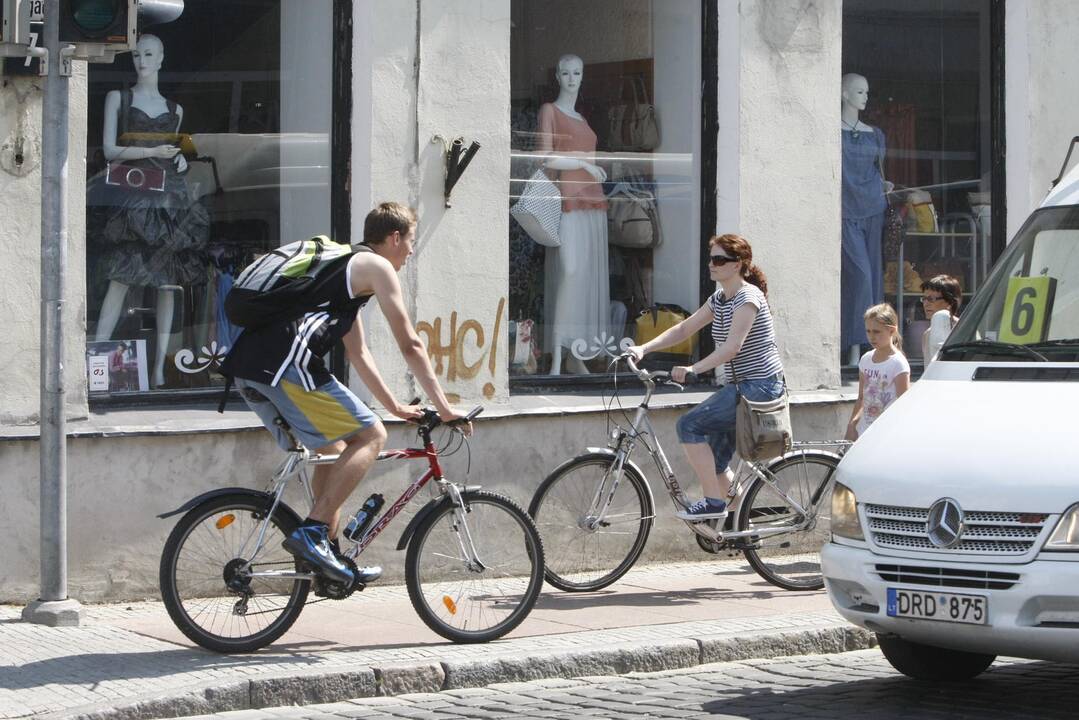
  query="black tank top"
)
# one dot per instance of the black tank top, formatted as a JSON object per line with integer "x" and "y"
{"x": 265, "y": 354}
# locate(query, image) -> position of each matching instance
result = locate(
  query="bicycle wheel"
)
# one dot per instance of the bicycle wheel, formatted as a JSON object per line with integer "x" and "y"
{"x": 790, "y": 560}
{"x": 580, "y": 557}
{"x": 475, "y": 604}
{"x": 205, "y": 551}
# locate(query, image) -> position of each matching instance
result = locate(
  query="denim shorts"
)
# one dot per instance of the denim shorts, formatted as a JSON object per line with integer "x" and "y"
{"x": 317, "y": 417}
{"x": 713, "y": 420}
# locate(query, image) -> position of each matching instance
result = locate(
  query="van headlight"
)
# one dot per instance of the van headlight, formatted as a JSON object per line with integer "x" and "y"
{"x": 845, "y": 522}
{"x": 1066, "y": 534}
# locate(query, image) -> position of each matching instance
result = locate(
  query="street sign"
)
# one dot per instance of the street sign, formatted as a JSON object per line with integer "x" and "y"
{"x": 27, "y": 65}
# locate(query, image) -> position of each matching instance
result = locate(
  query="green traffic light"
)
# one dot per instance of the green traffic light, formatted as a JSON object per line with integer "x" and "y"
{"x": 94, "y": 16}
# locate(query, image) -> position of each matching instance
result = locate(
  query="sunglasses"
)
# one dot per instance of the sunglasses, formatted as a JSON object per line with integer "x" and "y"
{"x": 720, "y": 260}
{"x": 931, "y": 298}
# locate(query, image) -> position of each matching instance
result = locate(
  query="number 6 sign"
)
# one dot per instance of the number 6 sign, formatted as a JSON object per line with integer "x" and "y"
{"x": 1027, "y": 308}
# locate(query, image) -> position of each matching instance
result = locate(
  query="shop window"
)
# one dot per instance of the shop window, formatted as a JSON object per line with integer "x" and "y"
{"x": 604, "y": 193}
{"x": 917, "y": 113}
{"x": 208, "y": 145}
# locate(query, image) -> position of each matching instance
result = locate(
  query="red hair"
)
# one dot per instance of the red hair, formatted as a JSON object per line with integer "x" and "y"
{"x": 737, "y": 246}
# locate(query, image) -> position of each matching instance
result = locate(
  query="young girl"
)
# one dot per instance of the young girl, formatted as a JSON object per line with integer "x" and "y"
{"x": 883, "y": 372}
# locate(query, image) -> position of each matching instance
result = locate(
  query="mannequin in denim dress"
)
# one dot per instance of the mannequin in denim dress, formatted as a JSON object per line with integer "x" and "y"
{"x": 151, "y": 238}
{"x": 864, "y": 204}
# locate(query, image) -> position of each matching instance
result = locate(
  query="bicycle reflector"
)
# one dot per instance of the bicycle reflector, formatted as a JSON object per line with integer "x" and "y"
{"x": 450, "y": 604}
{"x": 224, "y": 521}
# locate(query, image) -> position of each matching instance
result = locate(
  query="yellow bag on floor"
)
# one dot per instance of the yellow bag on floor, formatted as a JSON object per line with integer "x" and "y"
{"x": 657, "y": 319}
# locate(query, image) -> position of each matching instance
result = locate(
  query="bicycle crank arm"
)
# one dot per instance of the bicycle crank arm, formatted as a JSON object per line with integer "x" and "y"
{"x": 761, "y": 532}
{"x": 281, "y": 575}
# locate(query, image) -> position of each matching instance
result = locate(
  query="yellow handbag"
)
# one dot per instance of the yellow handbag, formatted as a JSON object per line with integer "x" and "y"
{"x": 658, "y": 319}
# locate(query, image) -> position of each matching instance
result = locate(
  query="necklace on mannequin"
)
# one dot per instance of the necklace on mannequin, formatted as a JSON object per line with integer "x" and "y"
{"x": 854, "y": 131}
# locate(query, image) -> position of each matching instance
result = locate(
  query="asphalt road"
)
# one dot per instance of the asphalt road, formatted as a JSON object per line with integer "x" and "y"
{"x": 849, "y": 685}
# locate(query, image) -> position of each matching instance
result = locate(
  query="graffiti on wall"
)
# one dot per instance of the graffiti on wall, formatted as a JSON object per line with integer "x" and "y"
{"x": 461, "y": 349}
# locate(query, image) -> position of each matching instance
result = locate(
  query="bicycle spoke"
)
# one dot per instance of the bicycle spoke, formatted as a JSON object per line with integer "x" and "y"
{"x": 790, "y": 559}
{"x": 204, "y": 551}
{"x": 462, "y": 602}
{"x": 579, "y": 556}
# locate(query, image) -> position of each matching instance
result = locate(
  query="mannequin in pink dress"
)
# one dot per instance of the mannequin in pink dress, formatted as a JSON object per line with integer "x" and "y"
{"x": 577, "y": 285}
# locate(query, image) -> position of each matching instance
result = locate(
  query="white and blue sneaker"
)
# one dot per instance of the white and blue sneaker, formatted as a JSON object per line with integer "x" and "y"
{"x": 311, "y": 543}
{"x": 703, "y": 510}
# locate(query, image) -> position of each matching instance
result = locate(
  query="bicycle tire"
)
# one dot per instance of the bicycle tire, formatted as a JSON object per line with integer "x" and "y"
{"x": 204, "y": 615}
{"x": 462, "y": 604}
{"x": 576, "y": 555}
{"x": 791, "y": 560}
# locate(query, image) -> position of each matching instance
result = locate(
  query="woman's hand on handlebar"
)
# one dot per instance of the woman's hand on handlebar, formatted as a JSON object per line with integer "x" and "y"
{"x": 636, "y": 352}
{"x": 681, "y": 373}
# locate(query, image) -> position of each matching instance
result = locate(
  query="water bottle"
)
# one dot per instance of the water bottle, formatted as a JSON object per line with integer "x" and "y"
{"x": 363, "y": 518}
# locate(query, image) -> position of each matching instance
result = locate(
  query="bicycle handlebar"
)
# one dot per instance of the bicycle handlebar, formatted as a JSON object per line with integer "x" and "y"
{"x": 429, "y": 418}
{"x": 650, "y": 376}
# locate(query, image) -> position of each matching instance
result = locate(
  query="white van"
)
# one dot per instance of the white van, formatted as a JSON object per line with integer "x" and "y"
{"x": 955, "y": 518}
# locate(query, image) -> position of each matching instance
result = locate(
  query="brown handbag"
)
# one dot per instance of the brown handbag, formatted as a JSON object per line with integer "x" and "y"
{"x": 762, "y": 427}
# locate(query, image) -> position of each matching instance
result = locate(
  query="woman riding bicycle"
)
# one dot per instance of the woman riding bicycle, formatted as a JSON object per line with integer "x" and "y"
{"x": 745, "y": 345}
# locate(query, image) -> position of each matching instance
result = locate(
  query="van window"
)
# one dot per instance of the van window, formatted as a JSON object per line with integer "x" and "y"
{"x": 1029, "y": 308}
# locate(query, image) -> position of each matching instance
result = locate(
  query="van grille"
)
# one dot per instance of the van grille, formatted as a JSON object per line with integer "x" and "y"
{"x": 984, "y": 533}
{"x": 947, "y": 577}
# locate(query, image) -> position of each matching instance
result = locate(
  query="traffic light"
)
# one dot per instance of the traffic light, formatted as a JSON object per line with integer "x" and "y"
{"x": 112, "y": 23}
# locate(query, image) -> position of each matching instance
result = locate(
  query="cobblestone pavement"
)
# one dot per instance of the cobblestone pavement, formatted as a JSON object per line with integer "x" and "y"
{"x": 128, "y": 662}
{"x": 848, "y": 685}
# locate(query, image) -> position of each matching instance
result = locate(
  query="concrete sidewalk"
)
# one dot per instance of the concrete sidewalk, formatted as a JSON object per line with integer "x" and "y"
{"x": 128, "y": 661}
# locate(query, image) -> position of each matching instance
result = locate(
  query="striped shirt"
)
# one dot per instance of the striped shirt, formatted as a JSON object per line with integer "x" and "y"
{"x": 759, "y": 356}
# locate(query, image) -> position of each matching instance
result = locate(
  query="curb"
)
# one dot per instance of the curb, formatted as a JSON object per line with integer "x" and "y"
{"x": 328, "y": 685}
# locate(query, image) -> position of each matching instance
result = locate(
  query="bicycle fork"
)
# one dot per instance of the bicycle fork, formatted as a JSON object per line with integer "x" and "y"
{"x": 460, "y": 523}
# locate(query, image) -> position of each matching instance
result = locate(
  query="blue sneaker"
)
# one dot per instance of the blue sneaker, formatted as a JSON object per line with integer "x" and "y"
{"x": 311, "y": 543}
{"x": 703, "y": 510}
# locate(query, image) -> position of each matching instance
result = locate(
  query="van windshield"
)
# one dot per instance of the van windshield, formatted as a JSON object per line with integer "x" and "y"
{"x": 1028, "y": 309}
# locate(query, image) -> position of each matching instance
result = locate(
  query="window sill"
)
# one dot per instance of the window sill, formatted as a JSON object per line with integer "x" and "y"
{"x": 202, "y": 420}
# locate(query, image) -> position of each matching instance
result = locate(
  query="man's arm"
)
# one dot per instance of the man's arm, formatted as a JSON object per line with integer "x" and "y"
{"x": 361, "y": 359}
{"x": 387, "y": 288}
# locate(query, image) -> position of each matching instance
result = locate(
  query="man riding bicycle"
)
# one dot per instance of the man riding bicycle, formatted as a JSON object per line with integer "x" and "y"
{"x": 279, "y": 371}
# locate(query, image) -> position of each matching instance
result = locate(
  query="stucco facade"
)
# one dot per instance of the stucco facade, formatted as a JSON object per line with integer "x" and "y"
{"x": 427, "y": 72}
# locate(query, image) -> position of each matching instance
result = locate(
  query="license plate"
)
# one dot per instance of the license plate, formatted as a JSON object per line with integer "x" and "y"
{"x": 946, "y": 607}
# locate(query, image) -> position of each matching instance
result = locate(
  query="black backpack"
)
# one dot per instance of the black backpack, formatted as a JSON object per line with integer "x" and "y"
{"x": 286, "y": 283}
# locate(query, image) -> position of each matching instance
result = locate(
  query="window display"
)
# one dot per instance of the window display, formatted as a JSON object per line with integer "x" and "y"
{"x": 603, "y": 194}
{"x": 917, "y": 159}
{"x": 206, "y": 146}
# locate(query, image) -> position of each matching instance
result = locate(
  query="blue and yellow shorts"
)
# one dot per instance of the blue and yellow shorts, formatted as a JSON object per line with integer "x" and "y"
{"x": 318, "y": 417}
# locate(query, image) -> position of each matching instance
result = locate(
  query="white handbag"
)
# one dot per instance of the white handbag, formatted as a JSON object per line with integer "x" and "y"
{"x": 539, "y": 209}
{"x": 633, "y": 125}
{"x": 632, "y": 220}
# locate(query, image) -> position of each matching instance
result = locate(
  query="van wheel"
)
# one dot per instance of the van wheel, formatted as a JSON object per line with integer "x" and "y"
{"x": 926, "y": 662}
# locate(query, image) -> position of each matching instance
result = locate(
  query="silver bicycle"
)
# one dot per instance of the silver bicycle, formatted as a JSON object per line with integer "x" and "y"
{"x": 595, "y": 511}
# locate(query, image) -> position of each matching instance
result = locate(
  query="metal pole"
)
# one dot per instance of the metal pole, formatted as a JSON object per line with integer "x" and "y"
{"x": 53, "y": 607}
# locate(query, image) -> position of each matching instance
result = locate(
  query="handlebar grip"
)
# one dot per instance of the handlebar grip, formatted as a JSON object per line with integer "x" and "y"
{"x": 473, "y": 413}
{"x": 691, "y": 377}
{"x": 414, "y": 401}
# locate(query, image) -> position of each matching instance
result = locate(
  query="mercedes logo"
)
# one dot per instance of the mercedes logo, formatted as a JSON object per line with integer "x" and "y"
{"x": 945, "y": 523}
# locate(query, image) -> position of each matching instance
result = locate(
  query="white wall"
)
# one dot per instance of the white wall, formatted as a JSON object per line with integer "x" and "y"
{"x": 440, "y": 68}
{"x": 1041, "y": 103}
{"x": 789, "y": 172}
{"x": 20, "y": 245}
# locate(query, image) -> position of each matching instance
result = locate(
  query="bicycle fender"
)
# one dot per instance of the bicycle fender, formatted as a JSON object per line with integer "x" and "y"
{"x": 419, "y": 517}
{"x": 607, "y": 452}
{"x": 265, "y": 497}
